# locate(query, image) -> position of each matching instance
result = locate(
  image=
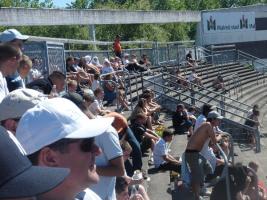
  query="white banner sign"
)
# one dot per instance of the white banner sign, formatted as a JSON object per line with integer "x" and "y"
{"x": 228, "y": 22}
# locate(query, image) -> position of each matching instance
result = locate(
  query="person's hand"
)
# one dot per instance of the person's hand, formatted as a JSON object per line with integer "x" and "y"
{"x": 137, "y": 197}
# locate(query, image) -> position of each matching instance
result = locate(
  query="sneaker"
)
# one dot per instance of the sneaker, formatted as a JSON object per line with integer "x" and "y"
{"x": 204, "y": 192}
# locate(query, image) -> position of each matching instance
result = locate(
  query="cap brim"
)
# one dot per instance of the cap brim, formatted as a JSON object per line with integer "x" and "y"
{"x": 33, "y": 181}
{"x": 220, "y": 117}
{"x": 93, "y": 128}
{"x": 23, "y": 37}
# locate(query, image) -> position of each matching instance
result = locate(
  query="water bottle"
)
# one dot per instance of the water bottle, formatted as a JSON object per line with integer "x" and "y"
{"x": 133, "y": 191}
{"x": 54, "y": 92}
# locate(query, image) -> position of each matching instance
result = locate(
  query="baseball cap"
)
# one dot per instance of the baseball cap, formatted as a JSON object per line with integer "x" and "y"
{"x": 214, "y": 115}
{"x": 17, "y": 102}
{"x": 55, "y": 119}
{"x": 12, "y": 34}
{"x": 18, "y": 178}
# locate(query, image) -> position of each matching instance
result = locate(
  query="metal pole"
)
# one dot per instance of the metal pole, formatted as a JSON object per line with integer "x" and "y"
{"x": 92, "y": 34}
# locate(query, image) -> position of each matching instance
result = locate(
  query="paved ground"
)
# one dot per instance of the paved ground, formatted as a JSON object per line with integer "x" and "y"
{"x": 159, "y": 186}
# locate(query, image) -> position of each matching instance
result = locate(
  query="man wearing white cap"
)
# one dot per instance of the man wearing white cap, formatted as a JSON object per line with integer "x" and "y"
{"x": 15, "y": 104}
{"x": 56, "y": 133}
{"x": 13, "y": 37}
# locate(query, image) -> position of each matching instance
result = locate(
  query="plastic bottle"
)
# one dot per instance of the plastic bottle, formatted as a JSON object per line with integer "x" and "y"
{"x": 54, "y": 92}
{"x": 133, "y": 191}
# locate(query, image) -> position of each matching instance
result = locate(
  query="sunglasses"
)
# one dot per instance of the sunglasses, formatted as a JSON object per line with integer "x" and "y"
{"x": 86, "y": 145}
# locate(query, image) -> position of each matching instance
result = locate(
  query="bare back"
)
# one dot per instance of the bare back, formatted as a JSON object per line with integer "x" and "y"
{"x": 197, "y": 140}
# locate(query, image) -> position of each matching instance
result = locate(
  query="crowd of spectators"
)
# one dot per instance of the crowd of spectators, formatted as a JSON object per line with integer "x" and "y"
{"x": 60, "y": 138}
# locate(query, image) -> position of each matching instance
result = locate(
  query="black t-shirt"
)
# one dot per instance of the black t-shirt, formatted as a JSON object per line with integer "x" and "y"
{"x": 188, "y": 56}
{"x": 139, "y": 131}
{"x": 178, "y": 118}
{"x": 43, "y": 85}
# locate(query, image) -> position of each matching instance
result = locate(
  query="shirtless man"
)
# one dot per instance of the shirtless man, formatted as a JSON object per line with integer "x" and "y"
{"x": 194, "y": 146}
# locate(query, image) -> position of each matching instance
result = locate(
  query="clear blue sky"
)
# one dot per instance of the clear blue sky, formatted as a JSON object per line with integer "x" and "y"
{"x": 61, "y": 3}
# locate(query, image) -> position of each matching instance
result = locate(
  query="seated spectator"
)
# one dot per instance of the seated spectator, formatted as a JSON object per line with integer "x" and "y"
{"x": 134, "y": 65}
{"x": 239, "y": 181}
{"x": 127, "y": 150}
{"x": 146, "y": 137}
{"x": 262, "y": 189}
{"x": 99, "y": 96}
{"x": 126, "y": 134}
{"x": 181, "y": 121}
{"x": 34, "y": 72}
{"x": 194, "y": 78}
{"x": 68, "y": 142}
{"x": 17, "y": 80}
{"x": 152, "y": 107}
{"x": 145, "y": 61}
{"x": 93, "y": 105}
{"x": 189, "y": 57}
{"x": 123, "y": 190}
{"x": 70, "y": 65}
{"x": 96, "y": 82}
{"x": 162, "y": 159}
{"x": 18, "y": 178}
{"x": 107, "y": 68}
{"x": 87, "y": 67}
{"x": 96, "y": 63}
{"x": 141, "y": 108}
{"x": 45, "y": 85}
{"x": 112, "y": 93}
{"x": 191, "y": 114}
{"x": 181, "y": 79}
{"x": 126, "y": 60}
{"x": 218, "y": 83}
{"x": 72, "y": 86}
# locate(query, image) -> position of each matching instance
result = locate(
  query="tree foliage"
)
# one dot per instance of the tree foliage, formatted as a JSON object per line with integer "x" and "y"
{"x": 156, "y": 32}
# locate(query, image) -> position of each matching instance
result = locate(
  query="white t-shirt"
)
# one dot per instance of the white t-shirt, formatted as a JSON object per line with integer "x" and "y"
{"x": 110, "y": 146}
{"x": 106, "y": 70}
{"x": 94, "y": 107}
{"x": 200, "y": 120}
{"x": 87, "y": 194}
{"x": 3, "y": 87}
{"x": 95, "y": 85}
{"x": 160, "y": 149}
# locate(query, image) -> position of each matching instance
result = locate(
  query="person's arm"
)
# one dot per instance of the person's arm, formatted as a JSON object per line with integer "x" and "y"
{"x": 115, "y": 167}
{"x": 211, "y": 134}
{"x": 169, "y": 158}
{"x": 152, "y": 133}
{"x": 148, "y": 135}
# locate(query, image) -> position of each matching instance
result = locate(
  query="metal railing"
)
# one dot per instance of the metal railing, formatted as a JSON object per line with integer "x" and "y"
{"x": 165, "y": 93}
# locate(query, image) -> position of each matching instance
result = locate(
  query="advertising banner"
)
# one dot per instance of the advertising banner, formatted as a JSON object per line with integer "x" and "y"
{"x": 228, "y": 22}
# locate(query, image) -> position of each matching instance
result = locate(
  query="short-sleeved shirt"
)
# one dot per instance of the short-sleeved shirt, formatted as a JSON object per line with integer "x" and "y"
{"x": 87, "y": 194}
{"x": 139, "y": 131}
{"x": 110, "y": 146}
{"x": 160, "y": 150}
{"x": 200, "y": 120}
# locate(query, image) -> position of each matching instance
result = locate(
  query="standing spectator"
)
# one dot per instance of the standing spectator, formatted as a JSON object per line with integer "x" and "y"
{"x": 9, "y": 62}
{"x": 109, "y": 164}
{"x": 117, "y": 46}
{"x": 66, "y": 141}
{"x": 206, "y": 108}
{"x": 18, "y": 178}
{"x": 193, "y": 148}
{"x": 45, "y": 85}
{"x": 13, "y": 38}
{"x": 253, "y": 119}
{"x": 162, "y": 159}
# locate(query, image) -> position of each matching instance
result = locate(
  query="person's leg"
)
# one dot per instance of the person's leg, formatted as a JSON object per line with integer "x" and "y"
{"x": 136, "y": 150}
{"x": 170, "y": 166}
{"x": 129, "y": 168}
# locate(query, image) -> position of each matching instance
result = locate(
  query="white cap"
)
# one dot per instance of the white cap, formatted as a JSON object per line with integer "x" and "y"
{"x": 88, "y": 59}
{"x": 55, "y": 119}
{"x": 12, "y": 34}
{"x": 214, "y": 115}
{"x": 17, "y": 102}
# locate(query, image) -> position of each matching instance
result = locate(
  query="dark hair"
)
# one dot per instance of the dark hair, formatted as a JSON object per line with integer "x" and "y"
{"x": 7, "y": 52}
{"x": 97, "y": 91}
{"x": 167, "y": 133}
{"x": 121, "y": 185}
{"x": 206, "y": 108}
{"x": 88, "y": 97}
{"x": 141, "y": 103}
{"x": 146, "y": 95}
{"x": 140, "y": 116}
{"x": 191, "y": 108}
{"x": 57, "y": 75}
{"x": 96, "y": 76}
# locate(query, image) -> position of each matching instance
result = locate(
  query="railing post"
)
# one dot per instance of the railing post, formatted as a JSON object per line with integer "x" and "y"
{"x": 258, "y": 142}
{"x": 222, "y": 106}
{"x": 192, "y": 94}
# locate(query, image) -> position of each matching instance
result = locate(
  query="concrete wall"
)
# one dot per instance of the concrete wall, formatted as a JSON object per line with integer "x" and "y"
{"x": 42, "y": 17}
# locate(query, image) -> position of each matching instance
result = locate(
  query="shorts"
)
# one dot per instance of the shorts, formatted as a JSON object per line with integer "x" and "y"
{"x": 192, "y": 162}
